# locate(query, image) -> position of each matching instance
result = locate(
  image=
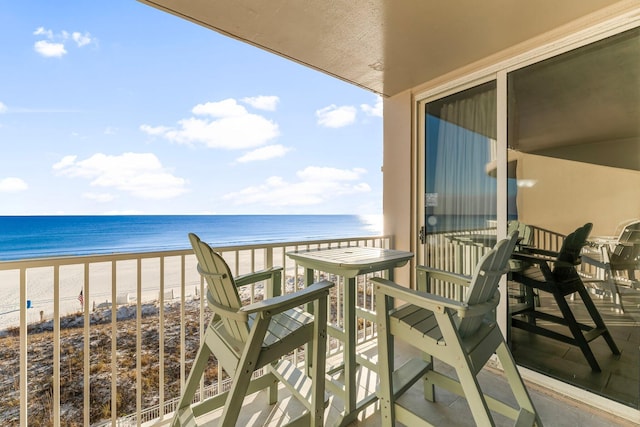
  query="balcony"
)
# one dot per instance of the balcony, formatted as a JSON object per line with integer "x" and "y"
{"x": 124, "y": 364}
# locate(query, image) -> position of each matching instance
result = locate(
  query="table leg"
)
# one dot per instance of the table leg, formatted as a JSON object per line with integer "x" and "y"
{"x": 350, "y": 346}
{"x": 308, "y": 280}
{"x": 390, "y": 350}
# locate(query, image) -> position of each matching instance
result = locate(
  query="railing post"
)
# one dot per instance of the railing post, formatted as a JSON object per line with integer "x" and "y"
{"x": 56, "y": 346}
{"x": 268, "y": 257}
{"x": 23, "y": 348}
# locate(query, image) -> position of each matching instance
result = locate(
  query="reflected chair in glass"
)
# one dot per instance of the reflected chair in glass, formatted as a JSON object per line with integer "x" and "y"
{"x": 617, "y": 261}
{"x": 555, "y": 273}
{"x": 463, "y": 334}
{"x": 525, "y": 241}
{"x": 246, "y": 338}
{"x": 625, "y": 256}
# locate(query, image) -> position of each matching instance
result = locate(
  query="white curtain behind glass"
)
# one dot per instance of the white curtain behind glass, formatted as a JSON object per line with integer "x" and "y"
{"x": 466, "y": 193}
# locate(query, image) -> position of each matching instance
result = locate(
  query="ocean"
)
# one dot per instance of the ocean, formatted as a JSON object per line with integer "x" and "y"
{"x": 26, "y": 237}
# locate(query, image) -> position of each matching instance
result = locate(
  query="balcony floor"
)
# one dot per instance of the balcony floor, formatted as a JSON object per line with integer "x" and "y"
{"x": 449, "y": 410}
{"x": 619, "y": 377}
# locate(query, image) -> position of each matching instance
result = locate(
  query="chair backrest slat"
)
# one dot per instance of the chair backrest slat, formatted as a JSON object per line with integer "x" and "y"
{"x": 221, "y": 287}
{"x": 525, "y": 232}
{"x": 626, "y": 254}
{"x": 569, "y": 255}
{"x": 485, "y": 280}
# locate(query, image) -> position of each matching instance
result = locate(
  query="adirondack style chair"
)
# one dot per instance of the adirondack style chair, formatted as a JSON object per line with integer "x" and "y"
{"x": 624, "y": 259}
{"x": 625, "y": 255}
{"x": 246, "y": 338}
{"x": 462, "y": 334}
{"x": 525, "y": 232}
{"x": 618, "y": 262}
{"x": 556, "y": 273}
{"x": 525, "y": 240}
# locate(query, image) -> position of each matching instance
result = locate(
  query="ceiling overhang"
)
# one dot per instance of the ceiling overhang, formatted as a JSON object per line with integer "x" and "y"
{"x": 383, "y": 46}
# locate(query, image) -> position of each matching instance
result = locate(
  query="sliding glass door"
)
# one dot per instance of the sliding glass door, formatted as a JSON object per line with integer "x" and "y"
{"x": 569, "y": 128}
{"x": 460, "y": 188}
{"x": 574, "y": 154}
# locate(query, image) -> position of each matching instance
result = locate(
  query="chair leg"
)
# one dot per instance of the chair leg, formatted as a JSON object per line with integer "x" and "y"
{"x": 597, "y": 319}
{"x": 515, "y": 381}
{"x": 463, "y": 366}
{"x": 244, "y": 372}
{"x": 385, "y": 364}
{"x": 190, "y": 388}
{"x": 429, "y": 388}
{"x": 576, "y": 332}
{"x": 531, "y": 301}
{"x": 316, "y": 416}
{"x": 473, "y": 394}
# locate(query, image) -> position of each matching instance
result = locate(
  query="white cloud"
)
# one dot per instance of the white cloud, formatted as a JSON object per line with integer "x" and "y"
{"x": 154, "y": 130}
{"x": 315, "y": 173}
{"x": 317, "y": 185}
{"x": 225, "y": 108}
{"x": 81, "y": 39}
{"x": 12, "y": 185}
{"x": 3, "y": 108}
{"x": 139, "y": 174}
{"x": 375, "y": 110}
{"x": 41, "y": 31}
{"x": 336, "y": 117}
{"x": 229, "y": 126}
{"x": 49, "y": 49}
{"x": 267, "y": 103}
{"x": 65, "y": 162}
{"x": 264, "y": 153}
{"x": 54, "y": 45}
{"x": 99, "y": 197}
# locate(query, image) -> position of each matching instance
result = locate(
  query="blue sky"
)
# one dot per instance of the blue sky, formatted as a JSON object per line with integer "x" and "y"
{"x": 118, "y": 108}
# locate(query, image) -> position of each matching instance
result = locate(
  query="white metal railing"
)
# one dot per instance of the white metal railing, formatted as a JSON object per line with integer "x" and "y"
{"x": 126, "y": 360}
{"x": 457, "y": 252}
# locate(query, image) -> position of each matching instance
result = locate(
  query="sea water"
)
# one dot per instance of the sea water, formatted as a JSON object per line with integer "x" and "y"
{"x": 25, "y": 237}
{"x": 28, "y": 237}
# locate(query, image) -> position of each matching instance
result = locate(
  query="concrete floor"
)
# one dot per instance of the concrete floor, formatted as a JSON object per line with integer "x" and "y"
{"x": 449, "y": 409}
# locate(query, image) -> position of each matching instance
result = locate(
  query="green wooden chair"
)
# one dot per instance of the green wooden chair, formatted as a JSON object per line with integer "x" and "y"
{"x": 462, "y": 334}
{"x": 617, "y": 262}
{"x": 525, "y": 242}
{"x": 623, "y": 258}
{"x": 247, "y": 338}
{"x": 555, "y": 273}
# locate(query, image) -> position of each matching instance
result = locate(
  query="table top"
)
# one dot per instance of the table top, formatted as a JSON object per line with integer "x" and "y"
{"x": 351, "y": 261}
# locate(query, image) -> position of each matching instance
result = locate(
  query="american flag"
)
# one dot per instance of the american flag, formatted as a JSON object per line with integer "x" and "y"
{"x": 81, "y": 298}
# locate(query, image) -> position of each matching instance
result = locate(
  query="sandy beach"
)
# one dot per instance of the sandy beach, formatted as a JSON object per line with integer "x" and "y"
{"x": 40, "y": 286}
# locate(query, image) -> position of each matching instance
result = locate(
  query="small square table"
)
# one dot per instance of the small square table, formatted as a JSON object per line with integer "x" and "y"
{"x": 350, "y": 262}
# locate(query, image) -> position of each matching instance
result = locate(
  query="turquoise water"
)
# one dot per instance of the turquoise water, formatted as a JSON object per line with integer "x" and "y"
{"x": 24, "y": 237}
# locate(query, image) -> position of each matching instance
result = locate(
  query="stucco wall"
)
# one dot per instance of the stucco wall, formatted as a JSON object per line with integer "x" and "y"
{"x": 566, "y": 194}
{"x": 397, "y": 202}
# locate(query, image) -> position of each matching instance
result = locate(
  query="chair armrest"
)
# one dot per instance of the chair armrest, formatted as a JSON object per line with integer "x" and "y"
{"x": 257, "y": 276}
{"x": 534, "y": 259}
{"x": 544, "y": 260}
{"x": 480, "y": 309}
{"x": 278, "y": 304}
{"x": 538, "y": 251}
{"x": 443, "y": 275}
{"x": 425, "y": 300}
{"x": 434, "y": 302}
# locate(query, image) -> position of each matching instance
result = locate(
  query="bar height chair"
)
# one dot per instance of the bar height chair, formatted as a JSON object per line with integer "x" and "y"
{"x": 462, "y": 334}
{"x": 247, "y": 338}
{"x": 555, "y": 273}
